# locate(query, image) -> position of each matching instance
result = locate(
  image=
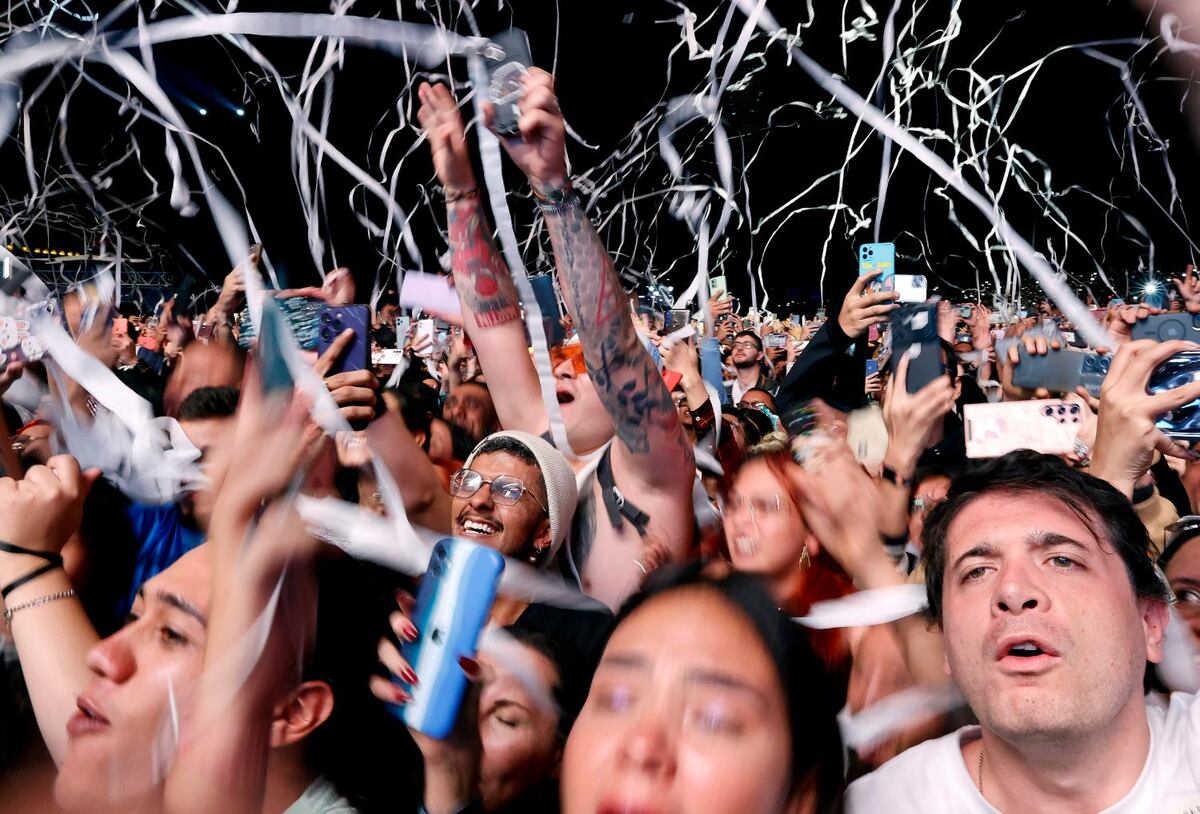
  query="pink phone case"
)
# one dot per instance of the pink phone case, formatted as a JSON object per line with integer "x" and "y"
{"x": 1046, "y": 425}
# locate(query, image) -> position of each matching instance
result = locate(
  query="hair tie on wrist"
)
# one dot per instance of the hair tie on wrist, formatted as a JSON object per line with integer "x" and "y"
{"x": 454, "y": 195}
{"x": 52, "y": 561}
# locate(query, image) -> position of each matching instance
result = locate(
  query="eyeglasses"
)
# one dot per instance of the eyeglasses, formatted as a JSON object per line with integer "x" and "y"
{"x": 759, "y": 508}
{"x": 506, "y": 490}
{"x": 562, "y": 353}
{"x": 745, "y": 345}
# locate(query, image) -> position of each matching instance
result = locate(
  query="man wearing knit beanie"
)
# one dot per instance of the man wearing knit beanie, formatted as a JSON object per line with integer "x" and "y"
{"x": 516, "y": 494}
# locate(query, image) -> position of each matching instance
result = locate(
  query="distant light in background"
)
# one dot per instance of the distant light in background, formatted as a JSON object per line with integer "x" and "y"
{"x": 202, "y": 111}
{"x": 240, "y": 112}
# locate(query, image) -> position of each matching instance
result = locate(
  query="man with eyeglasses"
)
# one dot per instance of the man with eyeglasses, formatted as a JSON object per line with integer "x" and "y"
{"x": 747, "y": 358}
{"x": 516, "y": 494}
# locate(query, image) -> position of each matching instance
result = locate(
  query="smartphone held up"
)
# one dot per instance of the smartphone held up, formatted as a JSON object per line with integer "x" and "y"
{"x": 453, "y": 605}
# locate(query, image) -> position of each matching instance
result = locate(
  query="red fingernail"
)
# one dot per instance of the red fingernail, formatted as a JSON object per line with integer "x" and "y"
{"x": 400, "y": 696}
{"x": 409, "y": 676}
{"x": 410, "y": 631}
{"x": 470, "y": 667}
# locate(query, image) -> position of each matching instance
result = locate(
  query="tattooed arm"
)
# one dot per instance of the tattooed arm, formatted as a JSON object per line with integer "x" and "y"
{"x": 491, "y": 308}
{"x": 653, "y": 449}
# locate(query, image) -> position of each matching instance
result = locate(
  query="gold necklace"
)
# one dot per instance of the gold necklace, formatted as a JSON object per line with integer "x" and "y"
{"x": 979, "y": 769}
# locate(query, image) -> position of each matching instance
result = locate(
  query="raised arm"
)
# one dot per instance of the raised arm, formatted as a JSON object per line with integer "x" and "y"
{"x": 491, "y": 307}
{"x": 51, "y": 632}
{"x": 652, "y": 449}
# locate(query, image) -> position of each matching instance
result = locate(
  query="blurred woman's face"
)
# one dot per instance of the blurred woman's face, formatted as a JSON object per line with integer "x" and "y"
{"x": 763, "y": 527}
{"x": 521, "y": 748}
{"x": 682, "y": 718}
{"x": 1183, "y": 572}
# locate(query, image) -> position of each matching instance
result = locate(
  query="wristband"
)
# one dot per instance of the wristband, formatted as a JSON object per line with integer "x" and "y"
{"x": 454, "y": 196}
{"x": 894, "y": 477}
{"x": 557, "y": 200}
{"x": 52, "y": 561}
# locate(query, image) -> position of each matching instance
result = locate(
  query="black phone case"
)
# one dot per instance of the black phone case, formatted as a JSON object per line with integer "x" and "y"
{"x": 334, "y": 320}
{"x": 915, "y": 326}
{"x": 1061, "y": 371}
{"x": 1164, "y": 327}
{"x": 507, "y": 57}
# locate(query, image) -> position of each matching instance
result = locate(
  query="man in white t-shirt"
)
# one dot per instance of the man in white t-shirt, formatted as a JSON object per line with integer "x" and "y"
{"x": 1050, "y": 607}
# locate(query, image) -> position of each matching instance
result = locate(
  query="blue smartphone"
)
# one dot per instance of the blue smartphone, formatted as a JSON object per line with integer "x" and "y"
{"x": 332, "y": 321}
{"x": 872, "y": 367}
{"x": 453, "y": 604}
{"x": 879, "y": 257}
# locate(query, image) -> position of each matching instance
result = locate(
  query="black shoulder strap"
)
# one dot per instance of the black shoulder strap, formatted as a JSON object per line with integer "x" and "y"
{"x": 615, "y": 503}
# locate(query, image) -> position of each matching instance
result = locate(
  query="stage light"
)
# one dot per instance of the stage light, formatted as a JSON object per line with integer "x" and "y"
{"x": 202, "y": 111}
{"x": 240, "y": 112}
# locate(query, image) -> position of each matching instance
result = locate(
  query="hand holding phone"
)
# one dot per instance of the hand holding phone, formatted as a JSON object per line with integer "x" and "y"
{"x": 333, "y": 321}
{"x": 453, "y": 604}
{"x": 914, "y": 336}
{"x": 878, "y": 258}
{"x": 507, "y": 59}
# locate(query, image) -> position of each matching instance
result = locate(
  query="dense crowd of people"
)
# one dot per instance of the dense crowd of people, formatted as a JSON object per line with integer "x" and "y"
{"x": 703, "y": 491}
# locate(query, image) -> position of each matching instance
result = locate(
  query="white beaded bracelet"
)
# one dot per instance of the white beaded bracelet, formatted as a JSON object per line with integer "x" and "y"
{"x": 33, "y": 603}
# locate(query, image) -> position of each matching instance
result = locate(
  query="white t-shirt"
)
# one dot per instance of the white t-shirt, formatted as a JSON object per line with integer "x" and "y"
{"x": 933, "y": 779}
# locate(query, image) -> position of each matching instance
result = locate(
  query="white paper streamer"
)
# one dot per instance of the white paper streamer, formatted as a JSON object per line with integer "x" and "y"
{"x": 892, "y": 715}
{"x": 1054, "y": 287}
{"x": 877, "y": 606}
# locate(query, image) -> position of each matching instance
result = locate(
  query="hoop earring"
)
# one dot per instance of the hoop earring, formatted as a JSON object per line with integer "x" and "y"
{"x": 805, "y": 560}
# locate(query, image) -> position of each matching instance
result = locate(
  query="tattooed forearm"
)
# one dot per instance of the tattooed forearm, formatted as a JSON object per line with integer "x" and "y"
{"x": 480, "y": 274}
{"x": 625, "y": 377}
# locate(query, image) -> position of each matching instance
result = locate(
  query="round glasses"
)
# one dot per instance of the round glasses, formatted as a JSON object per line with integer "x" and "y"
{"x": 506, "y": 490}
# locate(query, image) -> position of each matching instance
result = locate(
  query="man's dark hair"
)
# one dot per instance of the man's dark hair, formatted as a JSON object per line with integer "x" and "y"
{"x": 1107, "y": 513}
{"x": 770, "y": 403}
{"x": 208, "y": 402}
{"x": 757, "y": 339}
{"x": 755, "y": 425}
{"x": 948, "y": 470}
{"x": 461, "y": 441}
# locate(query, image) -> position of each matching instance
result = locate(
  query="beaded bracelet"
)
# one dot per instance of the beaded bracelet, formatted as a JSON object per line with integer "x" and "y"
{"x": 41, "y": 600}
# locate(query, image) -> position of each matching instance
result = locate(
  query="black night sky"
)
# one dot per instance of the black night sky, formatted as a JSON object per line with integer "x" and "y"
{"x": 612, "y": 61}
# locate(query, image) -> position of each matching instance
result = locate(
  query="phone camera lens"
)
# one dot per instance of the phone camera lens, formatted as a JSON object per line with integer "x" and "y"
{"x": 1047, "y": 411}
{"x": 435, "y": 568}
{"x": 326, "y": 335}
{"x": 325, "y": 317}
